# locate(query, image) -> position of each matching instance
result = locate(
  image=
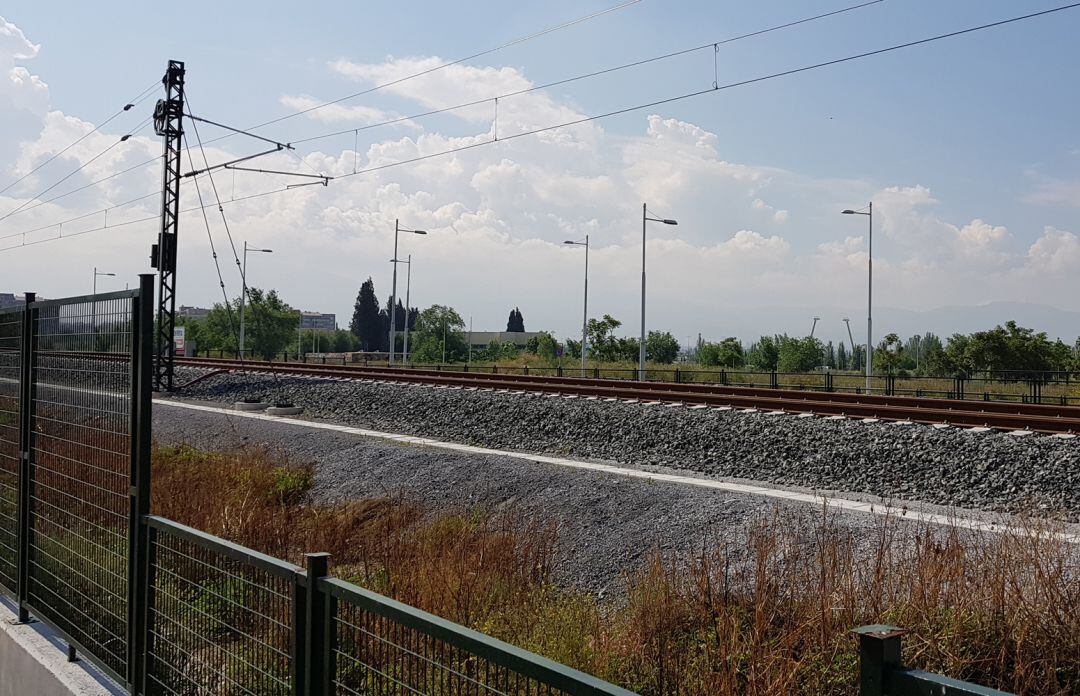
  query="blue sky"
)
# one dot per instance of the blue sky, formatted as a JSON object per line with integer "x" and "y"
{"x": 978, "y": 128}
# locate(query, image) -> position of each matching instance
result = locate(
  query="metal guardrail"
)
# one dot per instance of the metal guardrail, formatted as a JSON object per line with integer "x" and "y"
{"x": 165, "y": 609}
{"x": 881, "y": 671}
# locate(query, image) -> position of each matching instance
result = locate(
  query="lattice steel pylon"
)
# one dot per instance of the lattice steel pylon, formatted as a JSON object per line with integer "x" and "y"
{"x": 168, "y": 123}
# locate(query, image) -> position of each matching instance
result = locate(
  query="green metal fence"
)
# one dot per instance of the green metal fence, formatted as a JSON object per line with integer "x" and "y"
{"x": 881, "y": 671}
{"x": 165, "y": 609}
{"x": 11, "y": 321}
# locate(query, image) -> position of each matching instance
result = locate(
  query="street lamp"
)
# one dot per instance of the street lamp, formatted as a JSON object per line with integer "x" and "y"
{"x": 585, "y": 311}
{"x": 814, "y": 327}
{"x": 869, "y": 213}
{"x": 243, "y": 291}
{"x": 645, "y": 219}
{"x": 393, "y": 293}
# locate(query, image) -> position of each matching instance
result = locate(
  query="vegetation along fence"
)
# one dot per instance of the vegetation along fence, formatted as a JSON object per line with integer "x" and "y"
{"x": 165, "y": 609}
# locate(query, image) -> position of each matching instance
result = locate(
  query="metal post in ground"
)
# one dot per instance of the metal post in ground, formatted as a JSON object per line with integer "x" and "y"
{"x": 142, "y": 323}
{"x": 879, "y": 652}
{"x": 26, "y": 446}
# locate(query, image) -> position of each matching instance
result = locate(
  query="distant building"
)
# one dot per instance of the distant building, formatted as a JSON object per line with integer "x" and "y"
{"x": 192, "y": 312}
{"x": 7, "y": 299}
{"x": 318, "y": 321}
{"x": 481, "y": 339}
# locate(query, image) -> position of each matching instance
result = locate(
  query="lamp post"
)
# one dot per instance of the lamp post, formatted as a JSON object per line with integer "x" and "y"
{"x": 393, "y": 292}
{"x": 814, "y": 327}
{"x": 644, "y": 220}
{"x": 869, "y": 213}
{"x": 585, "y": 303}
{"x": 93, "y": 304}
{"x": 408, "y": 285}
{"x": 243, "y": 291}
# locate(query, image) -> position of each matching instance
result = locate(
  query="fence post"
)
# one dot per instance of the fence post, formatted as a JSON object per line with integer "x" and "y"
{"x": 560, "y": 371}
{"x": 678, "y": 376}
{"x": 26, "y": 433}
{"x": 316, "y": 632}
{"x": 142, "y": 323}
{"x": 596, "y": 373}
{"x": 879, "y": 652}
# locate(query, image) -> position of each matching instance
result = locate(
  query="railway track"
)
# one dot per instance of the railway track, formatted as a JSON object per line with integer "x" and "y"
{"x": 1041, "y": 418}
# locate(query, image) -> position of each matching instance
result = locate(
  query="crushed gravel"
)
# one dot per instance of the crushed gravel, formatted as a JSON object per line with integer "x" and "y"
{"x": 606, "y": 525}
{"x": 951, "y": 467}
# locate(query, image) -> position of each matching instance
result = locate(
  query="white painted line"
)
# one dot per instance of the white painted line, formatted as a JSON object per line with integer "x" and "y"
{"x": 839, "y": 503}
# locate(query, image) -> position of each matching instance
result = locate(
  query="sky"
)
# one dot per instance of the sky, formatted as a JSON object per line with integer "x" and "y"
{"x": 967, "y": 147}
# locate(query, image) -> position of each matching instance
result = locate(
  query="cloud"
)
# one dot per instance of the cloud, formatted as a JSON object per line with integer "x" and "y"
{"x": 19, "y": 88}
{"x": 1051, "y": 191}
{"x": 14, "y": 43}
{"x": 461, "y": 84}
{"x": 339, "y": 113}
{"x": 749, "y": 234}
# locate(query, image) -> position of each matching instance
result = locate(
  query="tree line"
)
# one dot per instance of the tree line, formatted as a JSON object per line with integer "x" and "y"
{"x": 1004, "y": 348}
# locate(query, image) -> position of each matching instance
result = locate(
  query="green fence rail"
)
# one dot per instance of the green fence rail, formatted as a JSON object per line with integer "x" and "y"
{"x": 881, "y": 672}
{"x": 162, "y": 608}
{"x": 165, "y": 609}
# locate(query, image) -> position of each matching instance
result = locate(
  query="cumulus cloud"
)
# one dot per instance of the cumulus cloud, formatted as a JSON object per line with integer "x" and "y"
{"x": 340, "y": 113}
{"x": 497, "y": 214}
{"x": 20, "y": 89}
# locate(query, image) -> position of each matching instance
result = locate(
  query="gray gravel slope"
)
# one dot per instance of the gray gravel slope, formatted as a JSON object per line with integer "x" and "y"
{"x": 988, "y": 471}
{"x": 606, "y": 524}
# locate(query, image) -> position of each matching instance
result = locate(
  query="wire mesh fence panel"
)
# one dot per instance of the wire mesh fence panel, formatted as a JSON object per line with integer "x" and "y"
{"x": 380, "y": 646}
{"x": 80, "y": 472}
{"x": 11, "y": 321}
{"x": 218, "y": 624}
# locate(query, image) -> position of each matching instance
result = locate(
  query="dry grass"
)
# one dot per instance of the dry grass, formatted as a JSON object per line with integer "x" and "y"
{"x": 765, "y": 612}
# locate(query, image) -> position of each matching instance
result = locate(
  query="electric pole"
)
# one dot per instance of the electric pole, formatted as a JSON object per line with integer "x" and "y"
{"x": 168, "y": 116}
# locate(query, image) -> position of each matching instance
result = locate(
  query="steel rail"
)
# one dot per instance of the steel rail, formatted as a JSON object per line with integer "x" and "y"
{"x": 964, "y": 413}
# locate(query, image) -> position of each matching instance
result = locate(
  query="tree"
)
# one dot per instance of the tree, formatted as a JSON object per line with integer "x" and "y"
{"x": 573, "y": 349}
{"x": 516, "y": 322}
{"x": 438, "y": 329}
{"x": 603, "y": 345}
{"x": 889, "y": 356}
{"x": 841, "y": 356}
{"x": 799, "y": 354}
{"x": 726, "y": 353}
{"x": 830, "y": 356}
{"x": 269, "y": 323}
{"x": 765, "y": 354}
{"x": 365, "y": 324}
{"x": 661, "y": 347}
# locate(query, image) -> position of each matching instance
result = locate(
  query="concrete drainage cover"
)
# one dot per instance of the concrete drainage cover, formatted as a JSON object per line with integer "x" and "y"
{"x": 284, "y": 411}
{"x": 251, "y": 405}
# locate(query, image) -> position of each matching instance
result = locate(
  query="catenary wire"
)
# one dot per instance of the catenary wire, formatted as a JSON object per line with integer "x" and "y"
{"x": 689, "y": 95}
{"x": 487, "y": 99}
{"x": 127, "y": 106}
{"x": 597, "y": 73}
{"x": 508, "y": 44}
{"x": 82, "y": 166}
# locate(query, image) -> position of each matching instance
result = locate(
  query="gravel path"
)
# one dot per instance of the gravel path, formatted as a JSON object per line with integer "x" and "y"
{"x": 951, "y": 467}
{"x": 606, "y": 524}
